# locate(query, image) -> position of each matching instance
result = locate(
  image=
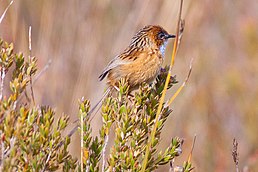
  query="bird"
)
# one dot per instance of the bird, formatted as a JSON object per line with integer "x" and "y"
{"x": 140, "y": 62}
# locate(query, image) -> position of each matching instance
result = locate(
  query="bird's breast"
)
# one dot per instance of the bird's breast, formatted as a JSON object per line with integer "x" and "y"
{"x": 144, "y": 66}
{"x": 144, "y": 69}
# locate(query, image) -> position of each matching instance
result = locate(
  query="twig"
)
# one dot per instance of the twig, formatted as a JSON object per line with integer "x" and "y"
{"x": 2, "y": 82}
{"x": 2, "y": 152}
{"x": 48, "y": 158}
{"x": 179, "y": 34}
{"x": 30, "y": 40}
{"x": 8, "y": 149}
{"x": 182, "y": 86}
{"x": 88, "y": 165}
{"x": 5, "y": 152}
{"x": 153, "y": 132}
{"x": 15, "y": 104}
{"x": 103, "y": 153}
{"x": 82, "y": 152}
{"x": 191, "y": 153}
{"x": 26, "y": 95}
{"x": 37, "y": 77}
{"x": 2, "y": 17}
{"x": 42, "y": 71}
{"x": 31, "y": 89}
{"x": 181, "y": 31}
{"x": 235, "y": 154}
{"x": 171, "y": 165}
{"x": 109, "y": 90}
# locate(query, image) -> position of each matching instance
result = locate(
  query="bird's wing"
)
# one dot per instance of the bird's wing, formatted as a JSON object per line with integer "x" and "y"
{"x": 112, "y": 64}
{"x": 129, "y": 55}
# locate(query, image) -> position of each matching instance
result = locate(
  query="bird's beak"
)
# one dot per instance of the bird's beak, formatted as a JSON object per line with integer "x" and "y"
{"x": 170, "y": 36}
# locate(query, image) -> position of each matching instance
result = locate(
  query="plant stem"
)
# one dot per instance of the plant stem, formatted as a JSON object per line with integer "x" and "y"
{"x": 2, "y": 82}
{"x": 153, "y": 132}
{"x": 82, "y": 143}
{"x": 103, "y": 153}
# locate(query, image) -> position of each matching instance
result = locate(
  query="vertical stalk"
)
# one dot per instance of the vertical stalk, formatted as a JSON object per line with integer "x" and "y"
{"x": 153, "y": 132}
{"x": 82, "y": 143}
{"x": 31, "y": 89}
{"x": 2, "y": 82}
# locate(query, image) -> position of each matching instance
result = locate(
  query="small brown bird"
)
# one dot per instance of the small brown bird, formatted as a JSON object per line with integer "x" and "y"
{"x": 141, "y": 60}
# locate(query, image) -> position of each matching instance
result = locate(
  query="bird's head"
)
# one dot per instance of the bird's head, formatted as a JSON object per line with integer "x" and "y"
{"x": 152, "y": 36}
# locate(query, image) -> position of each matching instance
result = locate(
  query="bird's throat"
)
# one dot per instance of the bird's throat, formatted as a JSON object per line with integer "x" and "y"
{"x": 162, "y": 48}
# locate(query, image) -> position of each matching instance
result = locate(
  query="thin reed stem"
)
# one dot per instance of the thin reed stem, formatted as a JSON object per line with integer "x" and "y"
{"x": 2, "y": 152}
{"x": 82, "y": 154}
{"x": 153, "y": 132}
{"x": 2, "y": 17}
{"x": 181, "y": 87}
{"x": 2, "y": 82}
{"x": 31, "y": 88}
{"x": 191, "y": 153}
{"x": 103, "y": 153}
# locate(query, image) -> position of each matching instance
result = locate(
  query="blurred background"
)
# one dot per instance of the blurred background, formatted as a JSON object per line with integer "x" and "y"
{"x": 220, "y": 101}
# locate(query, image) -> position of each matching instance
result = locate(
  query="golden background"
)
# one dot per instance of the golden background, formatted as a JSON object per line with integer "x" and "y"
{"x": 220, "y": 101}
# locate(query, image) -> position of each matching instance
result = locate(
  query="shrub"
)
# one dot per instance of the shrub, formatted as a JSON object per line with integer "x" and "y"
{"x": 31, "y": 140}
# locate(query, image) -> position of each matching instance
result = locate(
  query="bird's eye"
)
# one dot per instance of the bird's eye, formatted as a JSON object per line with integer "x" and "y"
{"x": 161, "y": 35}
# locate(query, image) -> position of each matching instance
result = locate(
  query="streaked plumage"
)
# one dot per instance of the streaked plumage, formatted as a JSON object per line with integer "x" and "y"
{"x": 141, "y": 60}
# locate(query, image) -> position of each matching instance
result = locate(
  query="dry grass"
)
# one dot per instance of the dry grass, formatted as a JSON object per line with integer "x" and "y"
{"x": 80, "y": 37}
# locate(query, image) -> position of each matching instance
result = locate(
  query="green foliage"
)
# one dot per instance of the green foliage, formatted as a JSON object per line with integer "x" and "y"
{"x": 131, "y": 119}
{"x": 31, "y": 140}
{"x": 29, "y": 137}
